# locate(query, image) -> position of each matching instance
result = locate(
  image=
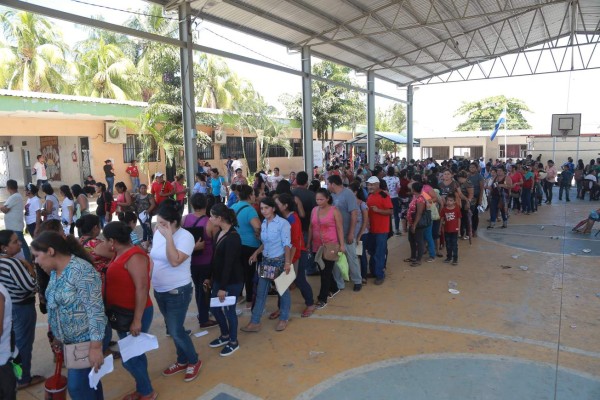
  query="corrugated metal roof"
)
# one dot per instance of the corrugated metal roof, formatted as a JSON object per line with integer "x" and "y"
{"x": 81, "y": 99}
{"x": 405, "y": 41}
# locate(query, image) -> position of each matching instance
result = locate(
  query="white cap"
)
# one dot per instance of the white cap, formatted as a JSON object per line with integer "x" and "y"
{"x": 373, "y": 179}
{"x": 156, "y": 175}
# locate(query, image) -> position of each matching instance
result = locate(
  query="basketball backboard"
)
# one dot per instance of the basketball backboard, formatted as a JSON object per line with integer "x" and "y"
{"x": 564, "y": 125}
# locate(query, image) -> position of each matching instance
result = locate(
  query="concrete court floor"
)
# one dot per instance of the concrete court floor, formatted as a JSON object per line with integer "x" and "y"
{"x": 509, "y": 334}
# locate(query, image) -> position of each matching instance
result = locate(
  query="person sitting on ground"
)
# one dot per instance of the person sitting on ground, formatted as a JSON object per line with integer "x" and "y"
{"x": 589, "y": 223}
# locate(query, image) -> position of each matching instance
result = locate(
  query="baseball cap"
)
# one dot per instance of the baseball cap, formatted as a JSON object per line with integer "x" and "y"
{"x": 156, "y": 175}
{"x": 107, "y": 161}
{"x": 373, "y": 179}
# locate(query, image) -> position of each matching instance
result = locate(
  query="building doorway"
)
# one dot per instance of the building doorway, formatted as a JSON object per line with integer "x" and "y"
{"x": 4, "y": 176}
{"x": 85, "y": 167}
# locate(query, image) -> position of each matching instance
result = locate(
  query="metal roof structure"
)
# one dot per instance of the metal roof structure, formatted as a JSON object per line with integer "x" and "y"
{"x": 391, "y": 136}
{"x": 420, "y": 41}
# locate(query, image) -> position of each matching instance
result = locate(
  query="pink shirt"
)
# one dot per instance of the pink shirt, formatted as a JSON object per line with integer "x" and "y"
{"x": 324, "y": 228}
{"x": 179, "y": 187}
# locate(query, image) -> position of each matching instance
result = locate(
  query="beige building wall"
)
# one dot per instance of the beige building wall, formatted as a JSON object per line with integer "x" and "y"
{"x": 585, "y": 147}
{"x": 491, "y": 149}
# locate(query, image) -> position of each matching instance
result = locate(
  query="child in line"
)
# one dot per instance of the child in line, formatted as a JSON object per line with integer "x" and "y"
{"x": 450, "y": 216}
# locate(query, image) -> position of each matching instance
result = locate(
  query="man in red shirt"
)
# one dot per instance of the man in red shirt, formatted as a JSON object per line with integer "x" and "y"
{"x": 161, "y": 189}
{"x": 380, "y": 210}
{"x": 133, "y": 172}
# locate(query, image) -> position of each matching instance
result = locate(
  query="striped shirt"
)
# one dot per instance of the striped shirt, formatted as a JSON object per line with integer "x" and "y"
{"x": 16, "y": 279}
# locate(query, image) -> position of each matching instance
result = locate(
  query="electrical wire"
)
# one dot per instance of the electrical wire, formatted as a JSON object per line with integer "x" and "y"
{"x": 125, "y": 11}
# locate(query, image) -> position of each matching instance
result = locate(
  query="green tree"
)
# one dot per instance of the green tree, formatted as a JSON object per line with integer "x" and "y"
{"x": 392, "y": 119}
{"x": 333, "y": 106}
{"x": 104, "y": 71}
{"x": 216, "y": 85}
{"x": 483, "y": 114}
{"x": 32, "y": 54}
{"x": 254, "y": 117}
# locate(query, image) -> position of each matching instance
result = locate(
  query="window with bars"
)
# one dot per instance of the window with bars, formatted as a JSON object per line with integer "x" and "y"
{"x": 279, "y": 151}
{"x": 233, "y": 148}
{"x": 297, "y": 149}
{"x": 134, "y": 146}
{"x": 208, "y": 152}
{"x": 436, "y": 152}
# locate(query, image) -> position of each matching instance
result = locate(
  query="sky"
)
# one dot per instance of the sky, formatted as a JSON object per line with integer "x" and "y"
{"x": 434, "y": 104}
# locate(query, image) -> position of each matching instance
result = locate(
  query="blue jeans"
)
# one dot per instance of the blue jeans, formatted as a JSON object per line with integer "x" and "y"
{"x": 261, "y": 298}
{"x": 396, "y": 205}
{"x": 451, "y": 245}
{"x": 24, "y": 318}
{"x": 147, "y": 230}
{"x": 562, "y": 189}
{"x": 24, "y": 245}
{"x": 378, "y": 249}
{"x": 110, "y": 183}
{"x": 306, "y": 260}
{"x": 135, "y": 183}
{"x": 429, "y": 239}
{"x": 102, "y": 219}
{"x": 173, "y": 305}
{"x": 363, "y": 257}
{"x": 526, "y": 200}
{"x": 78, "y": 385}
{"x": 226, "y": 316}
{"x": 138, "y": 366}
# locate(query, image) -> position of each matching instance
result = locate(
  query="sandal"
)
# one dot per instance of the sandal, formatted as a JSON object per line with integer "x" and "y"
{"x": 308, "y": 311}
{"x": 133, "y": 396}
{"x": 409, "y": 260}
{"x": 274, "y": 314}
{"x": 415, "y": 264}
{"x": 35, "y": 379}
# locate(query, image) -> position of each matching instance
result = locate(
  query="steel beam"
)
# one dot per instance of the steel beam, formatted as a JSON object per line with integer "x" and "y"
{"x": 409, "y": 122}
{"x": 371, "y": 118}
{"x": 307, "y": 122}
{"x": 187, "y": 94}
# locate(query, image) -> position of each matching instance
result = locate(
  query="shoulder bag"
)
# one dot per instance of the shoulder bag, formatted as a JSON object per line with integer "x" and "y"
{"x": 77, "y": 355}
{"x": 425, "y": 219}
{"x": 197, "y": 232}
{"x": 119, "y": 318}
{"x": 330, "y": 250}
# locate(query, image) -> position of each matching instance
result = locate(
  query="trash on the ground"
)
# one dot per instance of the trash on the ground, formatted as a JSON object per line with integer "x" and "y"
{"x": 573, "y": 326}
{"x": 452, "y": 285}
{"x": 453, "y": 291}
{"x": 542, "y": 228}
{"x": 313, "y": 353}
{"x": 598, "y": 295}
{"x": 515, "y": 256}
{"x": 573, "y": 254}
{"x": 587, "y": 250}
{"x": 201, "y": 333}
{"x": 577, "y": 295}
{"x": 523, "y": 267}
{"x": 505, "y": 266}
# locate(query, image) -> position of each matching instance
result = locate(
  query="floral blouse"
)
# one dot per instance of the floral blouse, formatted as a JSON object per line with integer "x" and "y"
{"x": 76, "y": 299}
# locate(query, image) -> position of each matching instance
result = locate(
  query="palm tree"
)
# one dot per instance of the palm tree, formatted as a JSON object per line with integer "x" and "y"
{"x": 32, "y": 54}
{"x": 104, "y": 71}
{"x": 216, "y": 85}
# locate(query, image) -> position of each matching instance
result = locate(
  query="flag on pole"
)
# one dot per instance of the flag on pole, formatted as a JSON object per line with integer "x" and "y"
{"x": 501, "y": 120}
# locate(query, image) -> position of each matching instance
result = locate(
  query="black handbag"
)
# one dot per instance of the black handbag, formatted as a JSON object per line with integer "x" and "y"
{"x": 425, "y": 220}
{"x": 119, "y": 318}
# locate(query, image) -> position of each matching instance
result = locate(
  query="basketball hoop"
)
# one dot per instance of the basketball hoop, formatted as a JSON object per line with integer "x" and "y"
{"x": 565, "y": 133}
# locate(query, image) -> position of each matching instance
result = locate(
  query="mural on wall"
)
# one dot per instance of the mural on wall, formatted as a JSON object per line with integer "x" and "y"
{"x": 49, "y": 146}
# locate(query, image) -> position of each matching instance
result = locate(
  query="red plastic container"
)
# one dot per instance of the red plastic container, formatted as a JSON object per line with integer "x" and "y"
{"x": 56, "y": 385}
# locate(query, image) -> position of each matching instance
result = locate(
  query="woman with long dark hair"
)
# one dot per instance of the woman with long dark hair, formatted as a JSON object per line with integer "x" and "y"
{"x": 171, "y": 252}
{"x": 33, "y": 209}
{"x": 75, "y": 307}
{"x": 51, "y": 204}
{"x": 104, "y": 204}
{"x": 227, "y": 276}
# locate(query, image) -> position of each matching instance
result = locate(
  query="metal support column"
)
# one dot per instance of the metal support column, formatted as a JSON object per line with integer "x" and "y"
{"x": 187, "y": 93}
{"x": 409, "y": 123}
{"x": 307, "y": 122}
{"x": 371, "y": 118}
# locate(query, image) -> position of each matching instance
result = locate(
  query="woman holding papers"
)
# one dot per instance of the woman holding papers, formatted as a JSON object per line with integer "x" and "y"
{"x": 127, "y": 285}
{"x": 227, "y": 276}
{"x": 276, "y": 250}
{"x": 74, "y": 301}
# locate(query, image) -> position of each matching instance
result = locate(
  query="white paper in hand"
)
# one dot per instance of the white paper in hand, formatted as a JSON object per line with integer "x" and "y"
{"x": 283, "y": 281}
{"x": 229, "y": 301}
{"x": 133, "y": 346}
{"x": 106, "y": 368}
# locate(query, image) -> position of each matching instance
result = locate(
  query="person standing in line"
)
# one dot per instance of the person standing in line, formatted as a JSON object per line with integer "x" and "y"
{"x": 237, "y": 164}
{"x": 476, "y": 180}
{"x": 450, "y": 216}
{"x": 229, "y": 169}
{"x": 550, "y": 180}
{"x": 14, "y": 209}
{"x": 109, "y": 174}
{"x": 67, "y": 208}
{"x": 274, "y": 179}
{"x": 393, "y": 185}
{"x": 39, "y": 170}
{"x": 217, "y": 185}
{"x": 180, "y": 191}
{"x": 171, "y": 252}
{"x": 145, "y": 203}
{"x": 566, "y": 177}
{"x": 18, "y": 277}
{"x": 8, "y": 380}
{"x": 307, "y": 197}
{"x": 127, "y": 286}
{"x": 227, "y": 277}
{"x": 134, "y": 174}
{"x": 345, "y": 202}
{"x": 75, "y": 307}
{"x": 104, "y": 204}
{"x": 380, "y": 209}
{"x": 33, "y": 209}
{"x": 161, "y": 188}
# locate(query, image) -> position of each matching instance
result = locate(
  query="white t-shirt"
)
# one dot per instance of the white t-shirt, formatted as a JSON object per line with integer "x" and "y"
{"x": 165, "y": 277}
{"x": 393, "y": 182}
{"x": 274, "y": 180}
{"x": 236, "y": 164}
{"x": 31, "y": 208}
{"x": 13, "y": 219}
{"x": 40, "y": 171}
{"x": 6, "y": 327}
{"x": 65, "y": 212}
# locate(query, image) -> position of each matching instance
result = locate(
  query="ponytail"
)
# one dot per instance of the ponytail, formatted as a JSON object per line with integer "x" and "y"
{"x": 227, "y": 214}
{"x": 61, "y": 245}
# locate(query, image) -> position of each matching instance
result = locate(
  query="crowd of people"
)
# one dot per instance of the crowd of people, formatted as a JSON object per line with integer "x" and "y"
{"x": 93, "y": 275}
